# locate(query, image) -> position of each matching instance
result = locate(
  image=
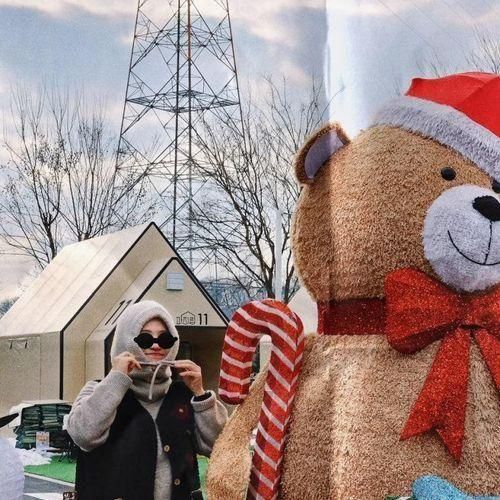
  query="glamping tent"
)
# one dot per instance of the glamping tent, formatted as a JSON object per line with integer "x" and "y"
{"x": 303, "y": 305}
{"x": 59, "y": 332}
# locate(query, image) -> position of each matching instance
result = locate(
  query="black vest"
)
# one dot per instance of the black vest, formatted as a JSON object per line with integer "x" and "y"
{"x": 124, "y": 466}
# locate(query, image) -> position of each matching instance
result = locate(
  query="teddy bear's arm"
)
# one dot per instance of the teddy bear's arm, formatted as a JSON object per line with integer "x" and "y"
{"x": 230, "y": 462}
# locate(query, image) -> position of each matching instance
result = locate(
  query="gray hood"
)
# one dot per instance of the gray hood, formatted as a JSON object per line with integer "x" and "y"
{"x": 130, "y": 323}
{"x": 145, "y": 386}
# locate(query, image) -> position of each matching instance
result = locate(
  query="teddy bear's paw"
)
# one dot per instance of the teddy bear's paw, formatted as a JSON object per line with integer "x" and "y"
{"x": 436, "y": 488}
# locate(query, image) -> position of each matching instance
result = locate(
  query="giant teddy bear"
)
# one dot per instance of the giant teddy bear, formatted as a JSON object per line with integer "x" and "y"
{"x": 397, "y": 238}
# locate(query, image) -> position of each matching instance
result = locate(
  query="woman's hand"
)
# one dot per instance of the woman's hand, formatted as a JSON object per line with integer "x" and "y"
{"x": 125, "y": 363}
{"x": 191, "y": 375}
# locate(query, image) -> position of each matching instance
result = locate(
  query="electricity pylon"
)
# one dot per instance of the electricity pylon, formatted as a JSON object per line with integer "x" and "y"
{"x": 182, "y": 74}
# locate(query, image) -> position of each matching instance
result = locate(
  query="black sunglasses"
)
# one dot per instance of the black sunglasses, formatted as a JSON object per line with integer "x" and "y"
{"x": 146, "y": 340}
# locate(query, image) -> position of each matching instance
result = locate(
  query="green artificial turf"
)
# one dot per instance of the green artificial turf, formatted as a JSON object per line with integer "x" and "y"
{"x": 202, "y": 467}
{"x": 64, "y": 470}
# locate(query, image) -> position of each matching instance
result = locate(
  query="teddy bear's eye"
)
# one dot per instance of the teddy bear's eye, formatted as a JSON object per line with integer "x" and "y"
{"x": 448, "y": 173}
{"x": 495, "y": 185}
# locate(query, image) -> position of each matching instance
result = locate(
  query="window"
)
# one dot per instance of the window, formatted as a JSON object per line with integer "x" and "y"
{"x": 175, "y": 281}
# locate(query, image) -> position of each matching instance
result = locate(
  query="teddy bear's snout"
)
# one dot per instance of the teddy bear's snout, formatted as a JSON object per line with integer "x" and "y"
{"x": 488, "y": 206}
{"x": 461, "y": 241}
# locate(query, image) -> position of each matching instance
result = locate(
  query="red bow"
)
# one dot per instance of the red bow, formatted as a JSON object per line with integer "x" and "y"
{"x": 421, "y": 310}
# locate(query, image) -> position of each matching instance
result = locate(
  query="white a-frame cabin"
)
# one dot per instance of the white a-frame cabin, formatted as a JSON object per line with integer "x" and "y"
{"x": 58, "y": 334}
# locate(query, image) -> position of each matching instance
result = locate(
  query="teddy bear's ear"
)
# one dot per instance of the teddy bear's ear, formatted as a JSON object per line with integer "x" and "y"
{"x": 317, "y": 150}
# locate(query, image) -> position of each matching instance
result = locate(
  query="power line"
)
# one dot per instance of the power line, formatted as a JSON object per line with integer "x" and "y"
{"x": 470, "y": 14}
{"x": 438, "y": 25}
{"x": 409, "y": 26}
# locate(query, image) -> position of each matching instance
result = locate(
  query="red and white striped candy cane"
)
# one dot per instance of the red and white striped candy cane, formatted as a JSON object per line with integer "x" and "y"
{"x": 248, "y": 324}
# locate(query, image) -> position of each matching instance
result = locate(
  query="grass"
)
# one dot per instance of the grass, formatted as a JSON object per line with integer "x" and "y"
{"x": 64, "y": 470}
{"x": 202, "y": 467}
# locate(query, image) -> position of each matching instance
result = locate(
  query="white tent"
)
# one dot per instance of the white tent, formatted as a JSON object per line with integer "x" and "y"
{"x": 58, "y": 333}
{"x": 303, "y": 305}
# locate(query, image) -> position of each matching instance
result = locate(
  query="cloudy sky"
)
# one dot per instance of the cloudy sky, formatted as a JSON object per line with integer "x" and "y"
{"x": 85, "y": 45}
{"x": 377, "y": 46}
{"x": 87, "y": 42}
{"x": 369, "y": 48}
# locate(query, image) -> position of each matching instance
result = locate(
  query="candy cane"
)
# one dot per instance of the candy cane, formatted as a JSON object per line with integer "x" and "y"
{"x": 248, "y": 324}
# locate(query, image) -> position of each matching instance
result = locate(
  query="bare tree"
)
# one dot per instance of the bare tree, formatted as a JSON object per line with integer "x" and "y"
{"x": 58, "y": 183}
{"x": 486, "y": 55}
{"x": 483, "y": 56}
{"x": 30, "y": 200}
{"x": 251, "y": 178}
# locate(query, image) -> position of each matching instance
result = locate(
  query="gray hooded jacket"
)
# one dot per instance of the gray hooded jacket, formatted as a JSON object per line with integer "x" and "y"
{"x": 94, "y": 409}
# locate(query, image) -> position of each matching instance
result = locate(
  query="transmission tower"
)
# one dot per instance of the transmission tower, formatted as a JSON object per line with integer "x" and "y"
{"x": 182, "y": 73}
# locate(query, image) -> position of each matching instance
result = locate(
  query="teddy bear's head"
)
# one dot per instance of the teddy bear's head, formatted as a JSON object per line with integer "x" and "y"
{"x": 419, "y": 188}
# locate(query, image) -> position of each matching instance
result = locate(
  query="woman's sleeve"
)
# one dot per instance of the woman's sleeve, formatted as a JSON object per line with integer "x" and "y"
{"x": 210, "y": 416}
{"x": 94, "y": 410}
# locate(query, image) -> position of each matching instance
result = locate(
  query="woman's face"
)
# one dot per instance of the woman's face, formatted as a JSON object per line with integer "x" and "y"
{"x": 155, "y": 327}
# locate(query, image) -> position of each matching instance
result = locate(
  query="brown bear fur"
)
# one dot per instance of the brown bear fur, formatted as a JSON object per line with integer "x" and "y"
{"x": 360, "y": 218}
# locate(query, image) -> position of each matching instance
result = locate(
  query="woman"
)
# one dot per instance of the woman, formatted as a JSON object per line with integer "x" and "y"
{"x": 138, "y": 433}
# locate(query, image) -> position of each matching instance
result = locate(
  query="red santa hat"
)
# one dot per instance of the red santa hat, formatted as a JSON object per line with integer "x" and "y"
{"x": 460, "y": 111}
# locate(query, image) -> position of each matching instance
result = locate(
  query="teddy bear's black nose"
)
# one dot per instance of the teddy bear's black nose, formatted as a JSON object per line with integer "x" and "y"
{"x": 488, "y": 206}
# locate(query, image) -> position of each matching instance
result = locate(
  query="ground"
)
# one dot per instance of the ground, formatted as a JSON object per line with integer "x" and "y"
{"x": 44, "y": 488}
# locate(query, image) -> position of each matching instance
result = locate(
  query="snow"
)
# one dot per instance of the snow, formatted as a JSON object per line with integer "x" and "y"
{"x": 30, "y": 457}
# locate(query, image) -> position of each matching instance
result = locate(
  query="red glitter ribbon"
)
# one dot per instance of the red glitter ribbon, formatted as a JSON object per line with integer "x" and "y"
{"x": 421, "y": 310}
